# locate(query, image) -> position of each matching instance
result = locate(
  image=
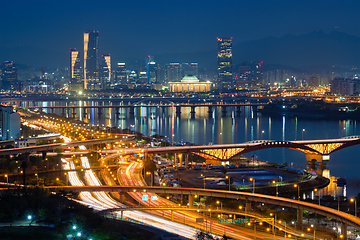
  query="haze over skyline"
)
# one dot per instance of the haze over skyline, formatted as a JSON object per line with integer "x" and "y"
{"x": 132, "y": 30}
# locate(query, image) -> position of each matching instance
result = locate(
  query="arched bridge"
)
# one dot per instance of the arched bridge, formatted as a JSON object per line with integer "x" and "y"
{"x": 224, "y": 152}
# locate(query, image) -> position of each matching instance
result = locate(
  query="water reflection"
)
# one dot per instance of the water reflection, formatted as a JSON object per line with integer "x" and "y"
{"x": 215, "y": 128}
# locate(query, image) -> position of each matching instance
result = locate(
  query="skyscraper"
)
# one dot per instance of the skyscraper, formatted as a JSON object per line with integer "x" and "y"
{"x": 91, "y": 59}
{"x": 151, "y": 69}
{"x": 75, "y": 64}
{"x": 9, "y": 123}
{"x": 9, "y": 77}
{"x": 224, "y": 60}
{"x": 173, "y": 72}
{"x": 121, "y": 73}
{"x": 105, "y": 70}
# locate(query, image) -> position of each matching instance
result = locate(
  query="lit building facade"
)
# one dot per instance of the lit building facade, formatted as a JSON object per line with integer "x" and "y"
{"x": 9, "y": 79}
{"x": 190, "y": 84}
{"x": 173, "y": 72}
{"x": 91, "y": 59}
{"x": 105, "y": 70}
{"x": 224, "y": 60}
{"x": 121, "y": 77}
{"x": 75, "y": 70}
{"x": 342, "y": 87}
{"x": 9, "y": 123}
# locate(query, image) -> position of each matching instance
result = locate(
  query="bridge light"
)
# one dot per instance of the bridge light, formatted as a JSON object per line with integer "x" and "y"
{"x": 268, "y": 229}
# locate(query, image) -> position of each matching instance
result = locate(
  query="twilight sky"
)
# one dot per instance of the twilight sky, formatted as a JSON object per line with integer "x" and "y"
{"x": 134, "y": 29}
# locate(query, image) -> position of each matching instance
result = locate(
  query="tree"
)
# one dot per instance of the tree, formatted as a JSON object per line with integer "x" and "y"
{"x": 224, "y": 170}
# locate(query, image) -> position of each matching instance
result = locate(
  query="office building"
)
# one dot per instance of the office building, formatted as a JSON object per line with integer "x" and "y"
{"x": 75, "y": 70}
{"x": 9, "y": 81}
{"x": 188, "y": 69}
{"x": 173, "y": 72}
{"x": 91, "y": 60}
{"x": 9, "y": 123}
{"x": 342, "y": 87}
{"x": 121, "y": 77}
{"x": 224, "y": 61}
{"x": 151, "y": 69}
{"x": 259, "y": 72}
{"x": 105, "y": 77}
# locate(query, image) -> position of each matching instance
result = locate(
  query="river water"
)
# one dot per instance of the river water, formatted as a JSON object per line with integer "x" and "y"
{"x": 215, "y": 128}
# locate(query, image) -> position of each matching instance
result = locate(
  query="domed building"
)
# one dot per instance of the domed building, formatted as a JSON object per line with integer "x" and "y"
{"x": 190, "y": 83}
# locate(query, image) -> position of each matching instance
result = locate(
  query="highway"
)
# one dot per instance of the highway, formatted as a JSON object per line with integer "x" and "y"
{"x": 131, "y": 176}
{"x": 102, "y": 200}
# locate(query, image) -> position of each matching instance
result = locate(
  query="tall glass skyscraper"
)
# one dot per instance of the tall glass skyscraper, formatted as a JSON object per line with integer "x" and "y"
{"x": 105, "y": 70}
{"x": 75, "y": 64}
{"x": 91, "y": 59}
{"x": 224, "y": 60}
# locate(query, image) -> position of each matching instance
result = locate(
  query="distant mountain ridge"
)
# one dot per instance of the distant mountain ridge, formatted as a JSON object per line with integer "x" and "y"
{"x": 312, "y": 49}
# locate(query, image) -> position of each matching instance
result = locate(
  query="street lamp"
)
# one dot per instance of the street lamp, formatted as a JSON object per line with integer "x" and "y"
{"x": 227, "y": 177}
{"x": 354, "y": 200}
{"x": 309, "y": 229}
{"x": 298, "y": 188}
{"x": 262, "y": 132}
{"x": 37, "y": 179}
{"x": 315, "y": 190}
{"x": 7, "y": 179}
{"x": 218, "y": 202}
{"x": 302, "y": 134}
{"x": 202, "y": 175}
{"x": 277, "y": 189}
{"x": 253, "y": 180}
{"x": 274, "y": 221}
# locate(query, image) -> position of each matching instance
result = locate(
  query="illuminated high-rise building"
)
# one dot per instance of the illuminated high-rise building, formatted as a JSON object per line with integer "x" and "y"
{"x": 105, "y": 70}
{"x": 259, "y": 72}
{"x": 75, "y": 64}
{"x": 173, "y": 72}
{"x": 151, "y": 69}
{"x": 9, "y": 79}
{"x": 91, "y": 59}
{"x": 224, "y": 60}
{"x": 121, "y": 77}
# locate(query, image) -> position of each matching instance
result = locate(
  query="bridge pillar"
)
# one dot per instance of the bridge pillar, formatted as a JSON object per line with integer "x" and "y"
{"x": 313, "y": 158}
{"x": 84, "y": 112}
{"x": 192, "y": 112}
{"x": 247, "y": 207}
{"x": 223, "y": 111}
{"x": 344, "y": 230}
{"x": 73, "y": 112}
{"x": 52, "y": 110}
{"x": 180, "y": 160}
{"x": 43, "y": 154}
{"x": 117, "y": 111}
{"x": 122, "y": 215}
{"x": 175, "y": 158}
{"x": 299, "y": 223}
{"x": 191, "y": 201}
{"x": 62, "y": 111}
{"x": 178, "y": 110}
{"x": 186, "y": 159}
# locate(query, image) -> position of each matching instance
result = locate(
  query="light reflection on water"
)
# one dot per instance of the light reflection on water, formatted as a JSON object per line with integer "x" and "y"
{"x": 214, "y": 128}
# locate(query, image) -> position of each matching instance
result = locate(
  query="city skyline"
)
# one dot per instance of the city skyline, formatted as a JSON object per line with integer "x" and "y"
{"x": 176, "y": 28}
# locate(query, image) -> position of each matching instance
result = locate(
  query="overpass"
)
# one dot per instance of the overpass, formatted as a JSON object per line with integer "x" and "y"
{"x": 344, "y": 218}
{"x": 49, "y": 147}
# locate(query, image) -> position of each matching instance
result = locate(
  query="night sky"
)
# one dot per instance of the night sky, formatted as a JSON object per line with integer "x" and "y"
{"x": 134, "y": 29}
